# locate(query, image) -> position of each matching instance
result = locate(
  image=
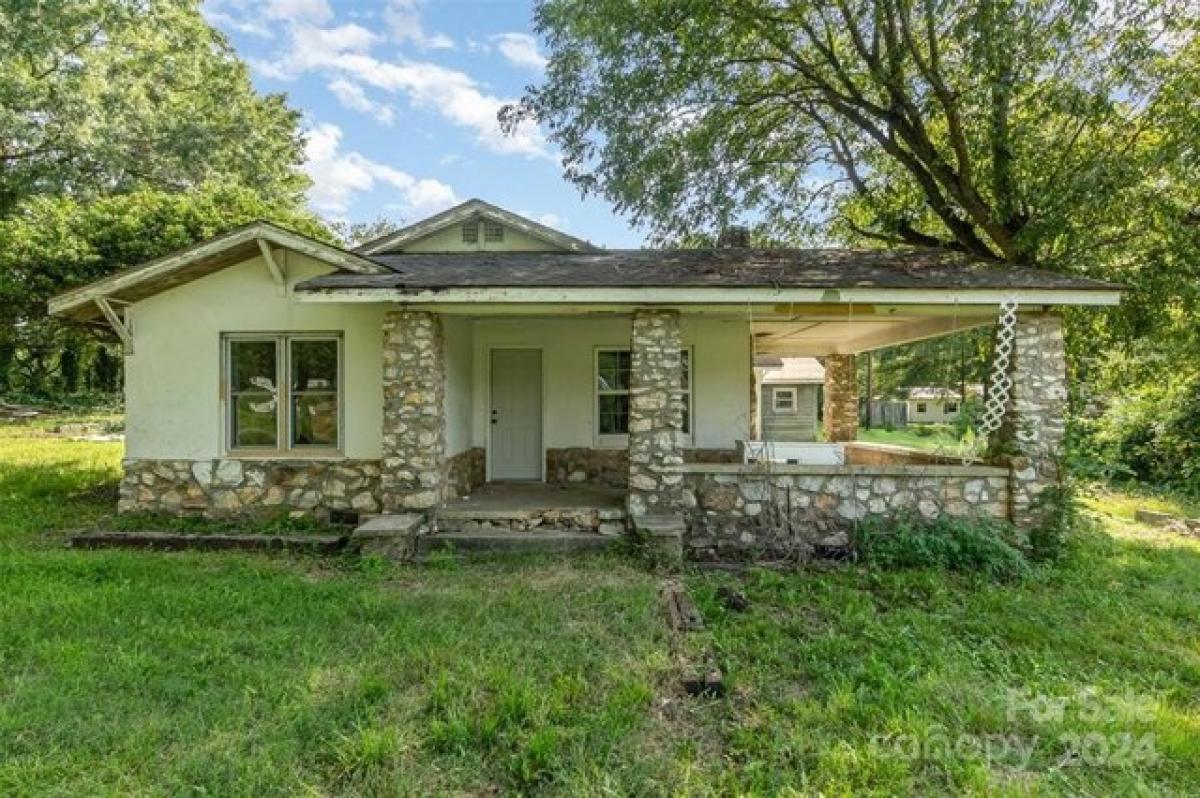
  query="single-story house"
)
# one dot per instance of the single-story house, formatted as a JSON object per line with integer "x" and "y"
{"x": 929, "y": 404}
{"x": 477, "y": 348}
{"x": 788, "y": 392}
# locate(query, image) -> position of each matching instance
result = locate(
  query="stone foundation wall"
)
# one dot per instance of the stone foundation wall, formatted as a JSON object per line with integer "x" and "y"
{"x": 240, "y": 488}
{"x": 465, "y": 471}
{"x": 734, "y": 512}
{"x": 611, "y": 466}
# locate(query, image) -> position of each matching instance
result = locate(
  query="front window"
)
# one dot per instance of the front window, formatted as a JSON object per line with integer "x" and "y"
{"x": 283, "y": 392}
{"x": 613, "y": 368}
{"x": 951, "y": 407}
{"x": 785, "y": 400}
{"x": 921, "y": 407}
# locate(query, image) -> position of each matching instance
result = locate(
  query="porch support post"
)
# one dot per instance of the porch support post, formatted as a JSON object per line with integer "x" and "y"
{"x": 414, "y": 421}
{"x": 1036, "y": 422}
{"x": 655, "y": 423}
{"x": 841, "y": 398}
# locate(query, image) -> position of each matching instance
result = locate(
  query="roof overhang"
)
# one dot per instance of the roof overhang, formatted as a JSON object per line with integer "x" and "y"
{"x": 683, "y": 296}
{"x": 256, "y": 239}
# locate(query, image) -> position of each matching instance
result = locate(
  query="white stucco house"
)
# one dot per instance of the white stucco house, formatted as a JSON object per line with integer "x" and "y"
{"x": 266, "y": 370}
{"x": 930, "y": 404}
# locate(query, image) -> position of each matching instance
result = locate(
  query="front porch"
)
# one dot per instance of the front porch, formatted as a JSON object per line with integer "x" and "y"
{"x": 663, "y": 458}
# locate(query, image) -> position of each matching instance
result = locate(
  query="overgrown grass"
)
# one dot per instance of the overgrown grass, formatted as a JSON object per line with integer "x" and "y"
{"x": 237, "y": 674}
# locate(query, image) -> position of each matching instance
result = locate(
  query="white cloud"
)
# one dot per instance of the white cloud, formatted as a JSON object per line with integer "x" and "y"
{"x": 339, "y": 176}
{"x": 352, "y": 96}
{"x": 218, "y": 18}
{"x": 342, "y": 54}
{"x": 404, "y": 19}
{"x": 315, "y": 11}
{"x": 548, "y": 219}
{"x": 521, "y": 50}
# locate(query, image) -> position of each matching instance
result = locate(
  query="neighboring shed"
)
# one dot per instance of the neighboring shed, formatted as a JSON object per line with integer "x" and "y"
{"x": 788, "y": 397}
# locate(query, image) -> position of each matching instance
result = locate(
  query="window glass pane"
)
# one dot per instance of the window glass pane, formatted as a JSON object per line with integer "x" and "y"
{"x": 314, "y": 365}
{"x": 686, "y": 382}
{"x": 612, "y": 371}
{"x": 252, "y": 365}
{"x": 470, "y": 232}
{"x": 493, "y": 231}
{"x": 315, "y": 420}
{"x": 254, "y": 420}
{"x": 614, "y": 414}
{"x": 687, "y": 413}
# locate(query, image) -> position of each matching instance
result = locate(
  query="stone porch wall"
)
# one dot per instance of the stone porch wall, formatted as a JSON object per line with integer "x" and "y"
{"x": 238, "y": 488}
{"x": 611, "y": 466}
{"x": 732, "y": 511}
{"x": 466, "y": 471}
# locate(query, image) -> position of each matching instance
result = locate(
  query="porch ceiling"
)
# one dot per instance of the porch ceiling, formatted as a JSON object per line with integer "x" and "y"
{"x": 816, "y": 334}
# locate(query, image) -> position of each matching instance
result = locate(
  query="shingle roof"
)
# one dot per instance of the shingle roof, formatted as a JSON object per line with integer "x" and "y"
{"x": 793, "y": 268}
{"x": 791, "y": 370}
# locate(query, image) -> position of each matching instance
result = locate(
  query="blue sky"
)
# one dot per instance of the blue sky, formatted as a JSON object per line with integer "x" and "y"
{"x": 400, "y": 97}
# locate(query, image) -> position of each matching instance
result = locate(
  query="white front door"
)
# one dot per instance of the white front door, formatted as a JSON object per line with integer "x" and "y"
{"x": 516, "y": 414}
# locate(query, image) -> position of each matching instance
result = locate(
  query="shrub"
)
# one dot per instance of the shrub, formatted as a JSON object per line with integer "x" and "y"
{"x": 954, "y": 544}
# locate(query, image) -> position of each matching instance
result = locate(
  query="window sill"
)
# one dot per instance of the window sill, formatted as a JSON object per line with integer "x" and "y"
{"x": 286, "y": 454}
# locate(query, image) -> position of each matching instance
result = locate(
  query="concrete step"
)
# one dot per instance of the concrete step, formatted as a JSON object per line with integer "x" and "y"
{"x": 541, "y": 541}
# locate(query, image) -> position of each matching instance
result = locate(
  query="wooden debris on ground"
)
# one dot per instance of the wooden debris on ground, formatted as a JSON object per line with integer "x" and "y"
{"x": 682, "y": 614}
{"x": 691, "y": 645}
{"x": 734, "y": 600}
{"x": 161, "y": 541}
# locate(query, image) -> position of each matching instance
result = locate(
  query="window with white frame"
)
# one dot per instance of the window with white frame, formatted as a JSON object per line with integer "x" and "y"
{"x": 283, "y": 392}
{"x": 784, "y": 400}
{"x": 922, "y": 407}
{"x": 470, "y": 232}
{"x": 951, "y": 407}
{"x": 613, "y": 367}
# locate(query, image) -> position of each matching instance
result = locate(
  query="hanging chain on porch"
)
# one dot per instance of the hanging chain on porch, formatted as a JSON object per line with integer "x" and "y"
{"x": 1000, "y": 390}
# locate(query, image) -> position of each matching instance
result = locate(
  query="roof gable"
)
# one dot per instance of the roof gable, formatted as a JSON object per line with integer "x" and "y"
{"x": 442, "y": 232}
{"x": 198, "y": 260}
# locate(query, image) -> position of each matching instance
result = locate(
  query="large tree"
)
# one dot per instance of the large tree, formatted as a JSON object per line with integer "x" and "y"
{"x": 128, "y": 128}
{"x": 1013, "y": 130}
{"x": 104, "y": 96}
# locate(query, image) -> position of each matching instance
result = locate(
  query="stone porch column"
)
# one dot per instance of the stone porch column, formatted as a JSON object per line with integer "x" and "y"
{"x": 1036, "y": 422}
{"x": 841, "y": 398}
{"x": 655, "y": 421}
{"x": 414, "y": 421}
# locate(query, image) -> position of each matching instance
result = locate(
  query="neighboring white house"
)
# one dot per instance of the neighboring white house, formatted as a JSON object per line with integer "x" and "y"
{"x": 932, "y": 405}
{"x": 788, "y": 394}
{"x": 269, "y": 371}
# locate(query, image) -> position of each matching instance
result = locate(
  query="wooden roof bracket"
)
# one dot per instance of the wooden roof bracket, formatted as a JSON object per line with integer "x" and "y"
{"x": 277, "y": 273}
{"x": 120, "y": 327}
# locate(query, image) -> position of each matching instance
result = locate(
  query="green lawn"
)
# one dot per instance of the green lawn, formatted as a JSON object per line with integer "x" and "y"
{"x": 231, "y": 674}
{"x": 933, "y": 437}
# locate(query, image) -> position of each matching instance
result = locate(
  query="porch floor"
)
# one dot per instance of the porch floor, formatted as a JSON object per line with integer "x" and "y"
{"x": 520, "y": 499}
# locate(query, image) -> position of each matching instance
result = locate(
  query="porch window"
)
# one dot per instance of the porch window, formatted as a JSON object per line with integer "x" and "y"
{"x": 283, "y": 392}
{"x": 613, "y": 367}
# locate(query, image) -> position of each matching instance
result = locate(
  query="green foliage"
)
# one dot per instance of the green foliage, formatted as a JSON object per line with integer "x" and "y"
{"x": 1060, "y": 510}
{"x": 952, "y": 544}
{"x": 1150, "y": 435}
{"x": 107, "y": 96}
{"x": 53, "y": 242}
